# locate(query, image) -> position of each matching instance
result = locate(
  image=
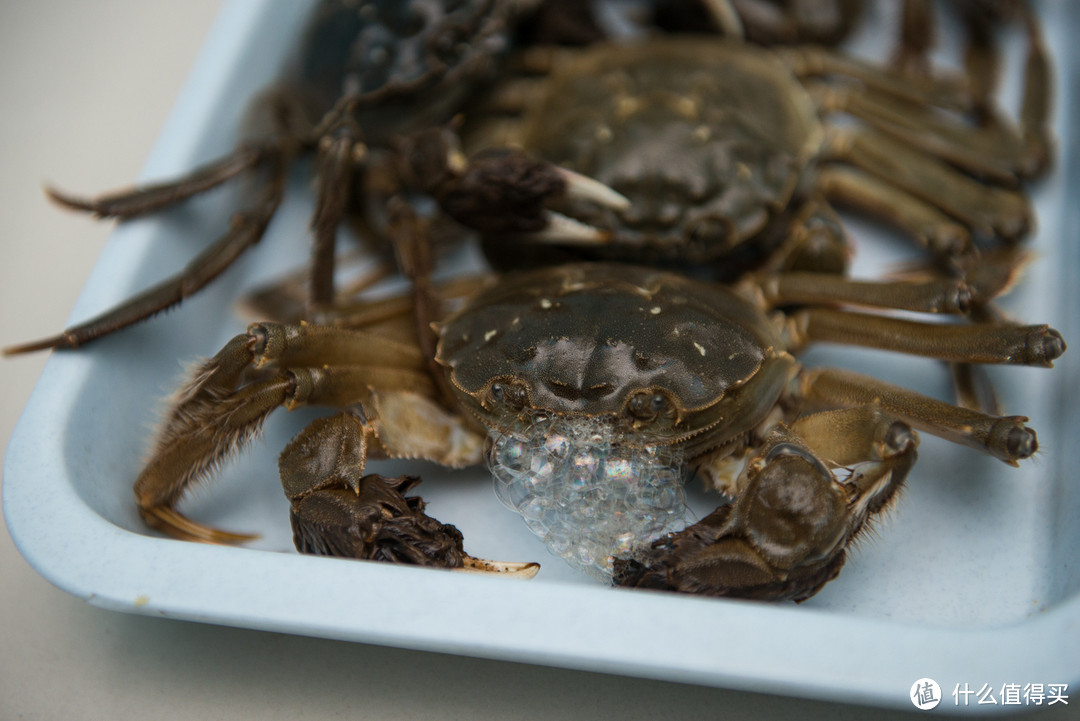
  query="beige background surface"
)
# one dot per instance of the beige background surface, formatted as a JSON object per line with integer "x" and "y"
{"x": 85, "y": 87}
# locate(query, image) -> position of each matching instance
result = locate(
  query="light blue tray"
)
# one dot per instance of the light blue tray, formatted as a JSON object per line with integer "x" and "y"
{"x": 973, "y": 578}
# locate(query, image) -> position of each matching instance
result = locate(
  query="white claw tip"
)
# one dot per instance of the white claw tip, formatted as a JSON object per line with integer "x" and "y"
{"x": 564, "y": 230}
{"x": 585, "y": 188}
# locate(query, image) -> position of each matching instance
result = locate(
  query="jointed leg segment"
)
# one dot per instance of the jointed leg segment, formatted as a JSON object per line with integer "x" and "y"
{"x": 232, "y": 394}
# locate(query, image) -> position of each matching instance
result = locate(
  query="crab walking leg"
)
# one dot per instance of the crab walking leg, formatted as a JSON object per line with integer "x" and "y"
{"x": 1004, "y": 437}
{"x": 950, "y": 296}
{"x": 982, "y": 56}
{"x": 281, "y": 134}
{"x": 339, "y": 154}
{"x": 983, "y": 63}
{"x": 993, "y": 141}
{"x": 286, "y": 299}
{"x": 210, "y": 433}
{"x": 232, "y": 394}
{"x": 929, "y": 227}
{"x": 991, "y": 149}
{"x": 276, "y": 344}
{"x": 804, "y": 497}
{"x": 991, "y": 277}
{"x": 949, "y": 92}
{"x": 276, "y": 127}
{"x": 973, "y": 388}
{"x": 364, "y": 312}
{"x": 1034, "y": 345}
{"x": 726, "y": 18}
{"x": 246, "y": 229}
{"x": 986, "y": 210}
{"x": 912, "y": 53}
{"x": 412, "y": 246}
{"x": 152, "y": 198}
{"x": 1035, "y": 112}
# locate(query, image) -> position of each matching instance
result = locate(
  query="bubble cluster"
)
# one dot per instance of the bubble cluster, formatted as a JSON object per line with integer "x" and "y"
{"x": 587, "y": 496}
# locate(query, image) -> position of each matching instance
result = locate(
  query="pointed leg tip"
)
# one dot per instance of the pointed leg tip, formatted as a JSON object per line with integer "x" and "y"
{"x": 68, "y": 201}
{"x": 51, "y": 343}
{"x": 563, "y": 230}
{"x": 179, "y": 526}
{"x": 500, "y": 568}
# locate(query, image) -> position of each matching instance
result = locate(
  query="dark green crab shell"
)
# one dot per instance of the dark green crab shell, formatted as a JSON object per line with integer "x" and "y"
{"x": 707, "y": 139}
{"x": 597, "y": 339}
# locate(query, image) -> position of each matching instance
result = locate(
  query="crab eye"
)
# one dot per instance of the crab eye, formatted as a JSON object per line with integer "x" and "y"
{"x": 647, "y": 405}
{"x": 711, "y": 233}
{"x": 510, "y": 393}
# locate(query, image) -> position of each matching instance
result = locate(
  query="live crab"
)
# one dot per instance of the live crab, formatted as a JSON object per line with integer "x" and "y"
{"x": 631, "y": 404}
{"x": 377, "y": 83}
{"x": 594, "y": 385}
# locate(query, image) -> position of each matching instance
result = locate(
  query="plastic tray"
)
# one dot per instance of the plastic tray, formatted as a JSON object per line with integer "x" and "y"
{"x": 971, "y": 580}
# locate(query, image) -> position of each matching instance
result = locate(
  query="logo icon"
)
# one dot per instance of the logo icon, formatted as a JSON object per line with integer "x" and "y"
{"x": 925, "y": 694}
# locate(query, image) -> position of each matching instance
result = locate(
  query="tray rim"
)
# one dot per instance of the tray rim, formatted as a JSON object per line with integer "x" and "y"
{"x": 68, "y": 550}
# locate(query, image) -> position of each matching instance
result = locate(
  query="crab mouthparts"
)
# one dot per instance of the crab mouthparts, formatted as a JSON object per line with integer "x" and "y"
{"x": 587, "y": 496}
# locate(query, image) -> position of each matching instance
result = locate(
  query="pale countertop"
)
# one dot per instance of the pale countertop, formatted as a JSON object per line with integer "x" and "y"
{"x": 86, "y": 87}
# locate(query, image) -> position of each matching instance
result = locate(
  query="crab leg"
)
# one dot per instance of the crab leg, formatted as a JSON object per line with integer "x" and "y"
{"x": 990, "y": 278}
{"x": 412, "y": 245}
{"x": 1004, "y": 437}
{"x": 339, "y": 154}
{"x": 974, "y": 389}
{"x": 285, "y": 300}
{"x": 928, "y": 226}
{"x": 948, "y": 92}
{"x": 286, "y": 133}
{"x": 152, "y": 198}
{"x": 276, "y": 127}
{"x": 1036, "y": 345}
{"x": 247, "y": 228}
{"x": 983, "y": 61}
{"x": 1035, "y": 109}
{"x": 987, "y": 210}
{"x": 932, "y": 296}
{"x": 204, "y": 435}
{"x": 989, "y": 150}
{"x": 222, "y": 409}
{"x": 336, "y": 510}
{"x": 911, "y": 55}
{"x": 770, "y": 23}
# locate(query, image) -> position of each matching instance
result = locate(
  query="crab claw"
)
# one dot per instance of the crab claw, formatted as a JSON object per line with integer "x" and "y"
{"x": 785, "y": 536}
{"x": 377, "y": 523}
{"x": 507, "y": 192}
{"x": 503, "y": 191}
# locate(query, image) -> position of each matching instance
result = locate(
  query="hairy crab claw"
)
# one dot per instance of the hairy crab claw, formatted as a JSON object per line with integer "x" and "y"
{"x": 505, "y": 191}
{"x": 565, "y": 230}
{"x": 787, "y": 532}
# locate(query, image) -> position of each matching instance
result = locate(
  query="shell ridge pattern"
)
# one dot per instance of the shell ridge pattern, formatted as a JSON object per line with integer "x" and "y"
{"x": 584, "y": 347}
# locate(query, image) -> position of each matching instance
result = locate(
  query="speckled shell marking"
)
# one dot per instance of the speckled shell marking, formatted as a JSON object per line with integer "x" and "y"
{"x": 585, "y": 337}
